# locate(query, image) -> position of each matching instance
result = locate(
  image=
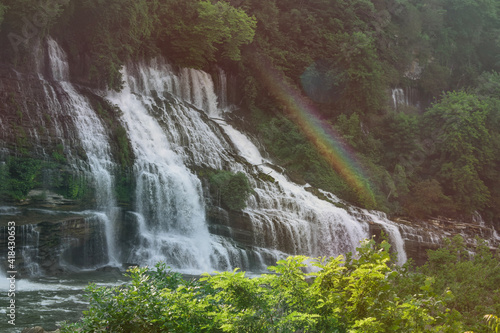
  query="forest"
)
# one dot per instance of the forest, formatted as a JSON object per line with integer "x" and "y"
{"x": 435, "y": 155}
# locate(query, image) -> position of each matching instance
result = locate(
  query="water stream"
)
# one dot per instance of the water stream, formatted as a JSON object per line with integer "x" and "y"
{"x": 95, "y": 142}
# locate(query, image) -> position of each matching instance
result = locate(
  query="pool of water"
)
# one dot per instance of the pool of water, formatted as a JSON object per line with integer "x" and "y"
{"x": 48, "y": 302}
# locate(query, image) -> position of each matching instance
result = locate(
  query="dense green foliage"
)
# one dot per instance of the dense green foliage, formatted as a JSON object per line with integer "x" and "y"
{"x": 103, "y": 35}
{"x": 345, "y": 55}
{"x": 474, "y": 281}
{"x": 23, "y": 22}
{"x": 463, "y": 147}
{"x": 230, "y": 189}
{"x": 302, "y": 161}
{"x": 18, "y": 176}
{"x": 204, "y": 32}
{"x": 493, "y": 322}
{"x": 93, "y": 34}
{"x": 446, "y": 157}
{"x": 361, "y": 293}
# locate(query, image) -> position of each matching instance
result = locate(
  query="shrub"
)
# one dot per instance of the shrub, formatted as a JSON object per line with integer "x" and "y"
{"x": 233, "y": 189}
{"x": 474, "y": 279}
{"x": 353, "y": 294}
{"x": 19, "y": 176}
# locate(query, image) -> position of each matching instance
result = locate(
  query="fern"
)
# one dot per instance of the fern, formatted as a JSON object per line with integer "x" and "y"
{"x": 493, "y": 322}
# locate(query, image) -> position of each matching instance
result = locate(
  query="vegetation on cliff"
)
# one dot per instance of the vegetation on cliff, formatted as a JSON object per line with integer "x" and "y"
{"x": 230, "y": 189}
{"x": 356, "y": 293}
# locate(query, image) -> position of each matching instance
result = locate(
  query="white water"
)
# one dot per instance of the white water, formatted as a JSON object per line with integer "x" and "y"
{"x": 94, "y": 141}
{"x": 398, "y": 98}
{"x": 167, "y": 134}
{"x": 392, "y": 229}
{"x": 170, "y": 208}
{"x": 29, "y": 252}
{"x": 48, "y": 301}
{"x": 4, "y": 283}
{"x": 333, "y": 231}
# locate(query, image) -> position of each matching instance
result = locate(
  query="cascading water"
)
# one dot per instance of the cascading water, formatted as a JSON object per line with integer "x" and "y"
{"x": 398, "y": 98}
{"x": 175, "y": 126}
{"x": 197, "y": 87}
{"x": 391, "y": 229}
{"x": 175, "y": 123}
{"x": 162, "y": 114}
{"x": 222, "y": 90}
{"x": 296, "y": 220}
{"x": 406, "y": 97}
{"x": 310, "y": 225}
{"x": 93, "y": 139}
{"x": 29, "y": 250}
{"x": 170, "y": 209}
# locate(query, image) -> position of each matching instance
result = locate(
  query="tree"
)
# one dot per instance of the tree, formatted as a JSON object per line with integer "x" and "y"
{"x": 24, "y": 22}
{"x": 470, "y": 44}
{"x": 233, "y": 189}
{"x": 194, "y": 32}
{"x": 399, "y": 135}
{"x": 488, "y": 89}
{"x": 489, "y": 84}
{"x": 31, "y": 14}
{"x": 471, "y": 274}
{"x": 425, "y": 199}
{"x": 464, "y": 147}
{"x": 107, "y": 34}
{"x": 493, "y": 322}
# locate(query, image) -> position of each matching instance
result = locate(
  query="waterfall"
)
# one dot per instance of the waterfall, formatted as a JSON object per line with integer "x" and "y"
{"x": 398, "y": 98}
{"x": 392, "y": 229}
{"x": 407, "y": 96}
{"x": 176, "y": 127}
{"x": 27, "y": 241}
{"x": 93, "y": 139}
{"x": 288, "y": 211}
{"x": 198, "y": 88}
{"x": 312, "y": 226}
{"x": 165, "y": 113}
{"x": 83, "y": 243}
{"x": 29, "y": 249}
{"x": 169, "y": 201}
{"x": 4, "y": 284}
{"x": 222, "y": 90}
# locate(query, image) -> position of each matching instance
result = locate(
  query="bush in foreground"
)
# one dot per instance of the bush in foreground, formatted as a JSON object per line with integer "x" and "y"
{"x": 362, "y": 293}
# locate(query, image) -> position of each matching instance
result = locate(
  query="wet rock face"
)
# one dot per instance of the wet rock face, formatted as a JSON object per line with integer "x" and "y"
{"x": 51, "y": 248}
{"x": 56, "y": 246}
{"x": 233, "y": 224}
{"x": 421, "y": 236}
{"x": 28, "y": 123}
{"x": 416, "y": 250}
{"x": 49, "y": 199}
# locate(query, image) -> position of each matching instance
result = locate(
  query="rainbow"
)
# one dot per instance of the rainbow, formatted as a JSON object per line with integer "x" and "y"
{"x": 323, "y": 136}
